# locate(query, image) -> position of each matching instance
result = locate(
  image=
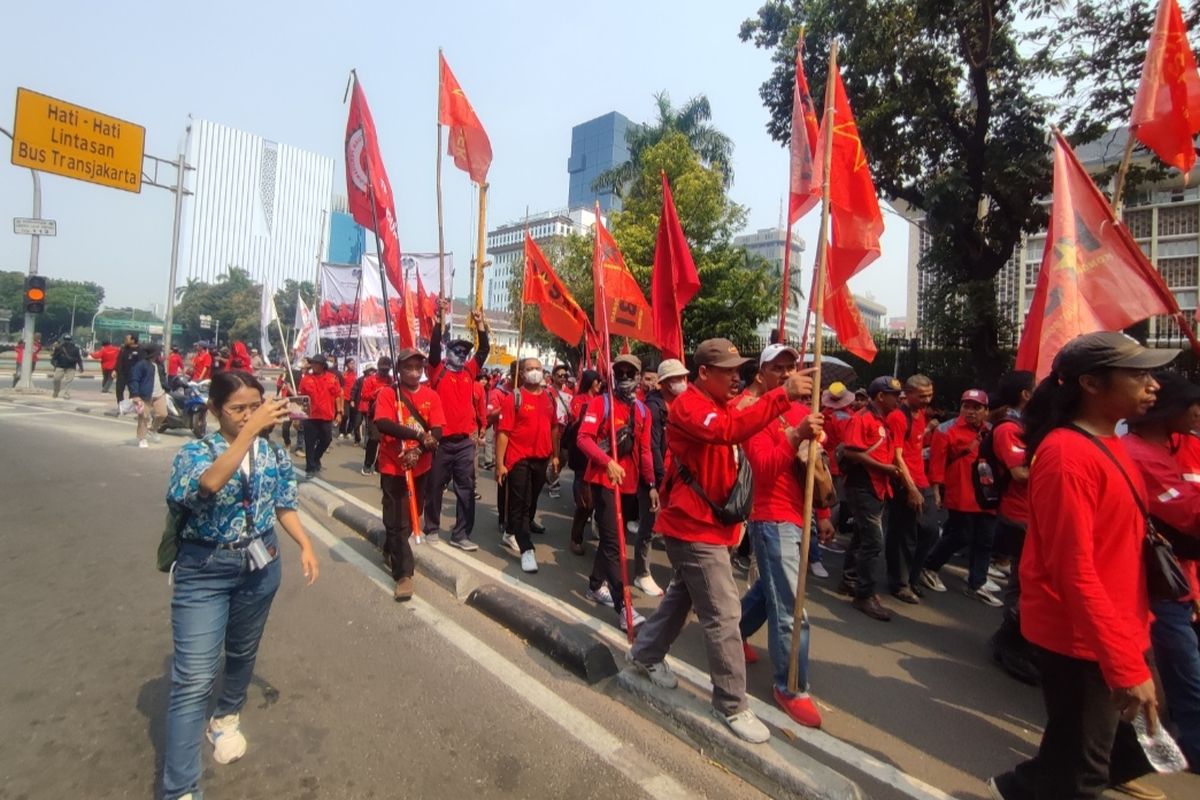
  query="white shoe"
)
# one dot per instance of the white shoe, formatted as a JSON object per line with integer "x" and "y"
{"x": 992, "y": 586}
{"x": 603, "y": 595}
{"x": 228, "y": 743}
{"x": 932, "y": 580}
{"x": 983, "y": 595}
{"x": 746, "y": 726}
{"x": 143, "y": 443}
{"x": 509, "y": 543}
{"x": 648, "y": 586}
{"x": 154, "y": 437}
{"x": 417, "y": 538}
{"x": 633, "y": 527}
{"x": 659, "y": 674}
{"x": 528, "y": 561}
{"x": 638, "y": 620}
{"x": 818, "y": 570}
{"x": 999, "y": 573}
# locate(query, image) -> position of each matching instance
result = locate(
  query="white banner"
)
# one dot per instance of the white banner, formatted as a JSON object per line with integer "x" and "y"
{"x": 266, "y": 315}
{"x": 337, "y": 314}
{"x": 426, "y": 265}
{"x": 373, "y": 340}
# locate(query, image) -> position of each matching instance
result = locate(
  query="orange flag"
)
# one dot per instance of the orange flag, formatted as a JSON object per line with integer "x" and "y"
{"x": 1166, "y": 112}
{"x": 674, "y": 281}
{"x": 843, "y": 316}
{"x": 623, "y": 310}
{"x": 1094, "y": 277}
{"x": 561, "y": 315}
{"x": 853, "y": 206}
{"x": 804, "y": 186}
{"x": 469, "y": 144}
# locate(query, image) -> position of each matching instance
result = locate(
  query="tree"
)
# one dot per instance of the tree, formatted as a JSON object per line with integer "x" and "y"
{"x": 285, "y": 299}
{"x": 234, "y": 300}
{"x": 714, "y": 148}
{"x": 60, "y": 295}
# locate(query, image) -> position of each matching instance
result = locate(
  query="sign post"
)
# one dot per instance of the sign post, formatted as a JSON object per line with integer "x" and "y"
{"x": 34, "y": 227}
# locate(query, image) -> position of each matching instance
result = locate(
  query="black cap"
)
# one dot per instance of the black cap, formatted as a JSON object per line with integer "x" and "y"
{"x": 884, "y": 383}
{"x": 467, "y": 343}
{"x": 1108, "y": 350}
{"x": 319, "y": 358}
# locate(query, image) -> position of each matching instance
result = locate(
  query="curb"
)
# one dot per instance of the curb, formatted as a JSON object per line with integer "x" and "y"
{"x": 569, "y": 644}
{"x": 776, "y": 768}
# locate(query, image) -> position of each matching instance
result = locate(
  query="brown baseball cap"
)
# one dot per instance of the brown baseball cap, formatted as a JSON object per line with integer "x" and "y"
{"x": 718, "y": 353}
{"x": 1108, "y": 349}
{"x": 630, "y": 359}
{"x": 407, "y": 354}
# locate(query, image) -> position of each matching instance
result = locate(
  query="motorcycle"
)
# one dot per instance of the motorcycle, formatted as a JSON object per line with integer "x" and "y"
{"x": 187, "y": 406}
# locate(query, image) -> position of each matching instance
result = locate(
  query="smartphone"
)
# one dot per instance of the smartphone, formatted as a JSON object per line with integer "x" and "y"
{"x": 298, "y": 407}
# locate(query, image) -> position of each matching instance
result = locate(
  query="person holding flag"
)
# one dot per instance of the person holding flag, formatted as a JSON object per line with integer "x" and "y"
{"x": 411, "y": 419}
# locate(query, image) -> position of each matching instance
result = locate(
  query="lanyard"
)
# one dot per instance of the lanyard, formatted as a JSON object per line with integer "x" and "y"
{"x": 248, "y": 488}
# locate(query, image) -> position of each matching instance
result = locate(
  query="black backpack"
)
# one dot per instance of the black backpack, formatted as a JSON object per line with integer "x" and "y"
{"x": 989, "y": 477}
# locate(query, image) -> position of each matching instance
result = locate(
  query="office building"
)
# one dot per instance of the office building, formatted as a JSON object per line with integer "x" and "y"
{"x": 347, "y": 239}
{"x": 506, "y": 250}
{"x": 873, "y": 312}
{"x": 258, "y": 205}
{"x": 596, "y": 145}
{"x": 770, "y": 244}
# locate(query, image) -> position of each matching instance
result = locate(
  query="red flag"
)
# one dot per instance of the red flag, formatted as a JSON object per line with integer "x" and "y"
{"x": 426, "y": 310}
{"x": 368, "y": 192}
{"x": 1094, "y": 277}
{"x": 804, "y": 188}
{"x": 853, "y": 206}
{"x": 673, "y": 281}
{"x": 842, "y": 314}
{"x": 1166, "y": 112}
{"x": 624, "y": 307}
{"x": 561, "y": 315}
{"x": 469, "y": 144}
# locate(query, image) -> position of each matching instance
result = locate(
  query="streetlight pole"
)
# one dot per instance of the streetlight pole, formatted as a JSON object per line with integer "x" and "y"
{"x": 25, "y": 382}
{"x": 74, "y": 297}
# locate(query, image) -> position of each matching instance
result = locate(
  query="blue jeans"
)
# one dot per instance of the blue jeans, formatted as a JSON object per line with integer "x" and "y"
{"x": 218, "y": 602}
{"x": 973, "y": 530}
{"x": 1177, "y": 651}
{"x": 773, "y": 596}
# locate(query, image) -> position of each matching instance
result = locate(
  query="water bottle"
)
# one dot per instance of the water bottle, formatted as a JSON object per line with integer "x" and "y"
{"x": 1160, "y": 749}
{"x": 986, "y": 477}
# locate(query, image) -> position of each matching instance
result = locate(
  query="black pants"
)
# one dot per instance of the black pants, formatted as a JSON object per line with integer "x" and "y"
{"x": 122, "y": 381}
{"x": 525, "y": 481}
{"x": 349, "y": 423}
{"x": 107, "y": 382}
{"x": 372, "y": 446}
{"x": 452, "y": 460}
{"x": 646, "y": 519}
{"x": 1085, "y": 746}
{"x": 910, "y": 536}
{"x": 397, "y": 521}
{"x": 607, "y": 564}
{"x": 318, "y": 433}
{"x": 866, "y": 545}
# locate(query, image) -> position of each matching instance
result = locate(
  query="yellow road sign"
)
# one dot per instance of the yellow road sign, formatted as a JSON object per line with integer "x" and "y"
{"x": 76, "y": 142}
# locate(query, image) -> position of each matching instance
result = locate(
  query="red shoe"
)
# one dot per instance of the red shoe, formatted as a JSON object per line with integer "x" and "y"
{"x": 800, "y": 708}
{"x": 749, "y": 652}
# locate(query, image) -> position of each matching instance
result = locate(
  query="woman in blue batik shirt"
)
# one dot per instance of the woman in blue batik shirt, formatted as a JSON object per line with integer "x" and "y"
{"x": 232, "y": 487}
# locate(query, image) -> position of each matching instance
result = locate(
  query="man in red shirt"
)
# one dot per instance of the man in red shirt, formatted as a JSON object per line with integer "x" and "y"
{"x": 411, "y": 419}
{"x": 453, "y": 378}
{"x": 912, "y": 512}
{"x": 375, "y": 382}
{"x": 701, "y": 436}
{"x": 868, "y": 462}
{"x": 776, "y": 530}
{"x": 837, "y": 410}
{"x": 349, "y": 424}
{"x": 174, "y": 362}
{"x": 589, "y": 388}
{"x": 107, "y": 356}
{"x": 202, "y": 363}
{"x": 526, "y": 443}
{"x": 631, "y": 468}
{"x": 951, "y": 463}
{"x": 561, "y": 396}
{"x": 672, "y": 378}
{"x": 326, "y": 406}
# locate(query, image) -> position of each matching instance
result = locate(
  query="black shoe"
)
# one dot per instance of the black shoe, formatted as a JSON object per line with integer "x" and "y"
{"x": 872, "y": 608}
{"x": 537, "y": 527}
{"x": 741, "y": 563}
{"x": 906, "y": 595}
{"x": 846, "y": 587}
{"x": 917, "y": 590}
{"x": 1004, "y": 787}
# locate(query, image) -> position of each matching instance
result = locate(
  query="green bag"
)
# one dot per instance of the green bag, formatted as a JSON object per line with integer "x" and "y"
{"x": 177, "y": 519}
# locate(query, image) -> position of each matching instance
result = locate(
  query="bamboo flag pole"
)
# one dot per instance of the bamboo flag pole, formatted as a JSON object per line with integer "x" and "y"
{"x": 819, "y": 307}
{"x": 441, "y": 227}
{"x": 1122, "y": 173}
{"x": 786, "y": 277}
{"x": 480, "y": 241}
{"x": 287, "y": 367}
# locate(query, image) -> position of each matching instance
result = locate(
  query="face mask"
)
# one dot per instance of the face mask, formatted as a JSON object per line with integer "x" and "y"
{"x": 677, "y": 387}
{"x": 455, "y": 359}
{"x": 534, "y": 377}
{"x": 627, "y": 387}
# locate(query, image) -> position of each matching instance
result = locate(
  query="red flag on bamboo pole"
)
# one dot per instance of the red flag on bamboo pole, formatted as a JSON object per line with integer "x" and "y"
{"x": 1094, "y": 277}
{"x": 842, "y": 314}
{"x": 673, "y": 282}
{"x": 368, "y": 192}
{"x": 469, "y": 144}
{"x": 623, "y": 305}
{"x": 561, "y": 315}
{"x": 1166, "y": 111}
{"x": 804, "y": 190}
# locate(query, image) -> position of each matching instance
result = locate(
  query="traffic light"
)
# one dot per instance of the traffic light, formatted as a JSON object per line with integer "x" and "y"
{"x": 35, "y": 294}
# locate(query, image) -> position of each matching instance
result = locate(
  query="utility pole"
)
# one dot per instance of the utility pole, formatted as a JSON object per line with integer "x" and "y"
{"x": 25, "y": 382}
{"x": 180, "y": 190}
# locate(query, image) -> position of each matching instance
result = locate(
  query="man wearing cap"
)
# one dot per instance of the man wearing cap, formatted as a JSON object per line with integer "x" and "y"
{"x": 174, "y": 362}
{"x": 703, "y": 430}
{"x": 202, "y": 363}
{"x": 912, "y": 525}
{"x": 868, "y": 462}
{"x": 629, "y": 469}
{"x": 377, "y": 381}
{"x": 672, "y": 382}
{"x": 561, "y": 396}
{"x": 325, "y": 410}
{"x": 411, "y": 419}
{"x": 952, "y": 459}
{"x": 836, "y": 403}
{"x": 349, "y": 424}
{"x": 453, "y": 378}
{"x": 776, "y": 530}
{"x": 67, "y": 360}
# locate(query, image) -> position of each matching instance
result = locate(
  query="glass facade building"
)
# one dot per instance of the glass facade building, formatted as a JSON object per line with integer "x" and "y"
{"x": 596, "y": 145}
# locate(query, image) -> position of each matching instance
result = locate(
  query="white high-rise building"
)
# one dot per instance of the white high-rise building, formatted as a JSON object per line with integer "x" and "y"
{"x": 506, "y": 249}
{"x": 771, "y": 243}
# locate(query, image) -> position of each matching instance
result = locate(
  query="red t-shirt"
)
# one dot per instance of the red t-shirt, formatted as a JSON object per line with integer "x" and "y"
{"x": 865, "y": 431}
{"x": 951, "y": 458}
{"x": 174, "y": 365}
{"x": 778, "y": 484}
{"x": 387, "y": 407}
{"x": 907, "y": 432}
{"x": 701, "y": 433}
{"x": 528, "y": 427}
{"x": 202, "y": 366}
{"x": 1009, "y": 446}
{"x": 579, "y": 404}
{"x": 349, "y": 378}
{"x": 457, "y": 390}
{"x": 836, "y": 421}
{"x": 495, "y": 399}
{"x": 1173, "y": 499}
{"x": 595, "y": 428}
{"x": 1083, "y": 586}
{"x": 108, "y": 357}
{"x": 371, "y": 386}
{"x": 323, "y": 391}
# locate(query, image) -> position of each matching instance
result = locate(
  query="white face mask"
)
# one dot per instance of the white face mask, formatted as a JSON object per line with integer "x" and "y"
{"x": 534, "y": 377}
{"x": 677, "y": 387}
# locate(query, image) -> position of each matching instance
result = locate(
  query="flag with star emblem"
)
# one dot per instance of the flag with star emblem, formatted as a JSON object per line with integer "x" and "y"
{"x": 621, "y": 308}
{"x": 561, "y": 315}
{"x": 1094, "y": 277}
{"x": 469, "y": 144}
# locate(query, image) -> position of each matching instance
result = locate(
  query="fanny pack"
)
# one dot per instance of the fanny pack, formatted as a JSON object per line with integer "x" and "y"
{"x": 736, "y": 507}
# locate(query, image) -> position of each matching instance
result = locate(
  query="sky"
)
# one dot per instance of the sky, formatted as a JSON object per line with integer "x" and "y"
{"x": 531, "y": 68}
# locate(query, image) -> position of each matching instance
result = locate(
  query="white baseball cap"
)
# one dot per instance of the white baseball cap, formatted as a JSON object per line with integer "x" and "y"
{"x": 774, "y": 351}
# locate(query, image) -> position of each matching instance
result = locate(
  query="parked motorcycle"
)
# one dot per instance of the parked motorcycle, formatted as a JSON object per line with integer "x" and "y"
{"x": 187, "y": 406}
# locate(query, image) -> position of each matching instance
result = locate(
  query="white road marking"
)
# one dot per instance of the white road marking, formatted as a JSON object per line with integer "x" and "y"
{"x": 844, "y": 752}
{"x": 626, "y": 760}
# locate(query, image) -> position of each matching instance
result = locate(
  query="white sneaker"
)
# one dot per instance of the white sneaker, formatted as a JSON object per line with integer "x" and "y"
{"x": 528, "y": 561}
{"x": 648, "y": 586}
{"x": 228, "y": 743}
{"x": 143, "y": 443}
{"x": 659, "y": 674}
{"x": 746, "y": 726}
{"x": 417, "y": 538}
{"x": 509, "y": 542}
{"x": 638, "y": 620}
{"x": 991, "y": 586}
{"x": 603, "y": 595}
{"x": 818, "y": 570}
{"x": 983, "y": 595}
{"x": 633, "y": 527}
{"x": 999, "y": 573}
{"x": 932, "y": 580}
{"x": 154, "y": 437}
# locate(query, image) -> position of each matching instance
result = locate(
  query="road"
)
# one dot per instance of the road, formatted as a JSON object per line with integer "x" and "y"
{"x": 354, "y": 696}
